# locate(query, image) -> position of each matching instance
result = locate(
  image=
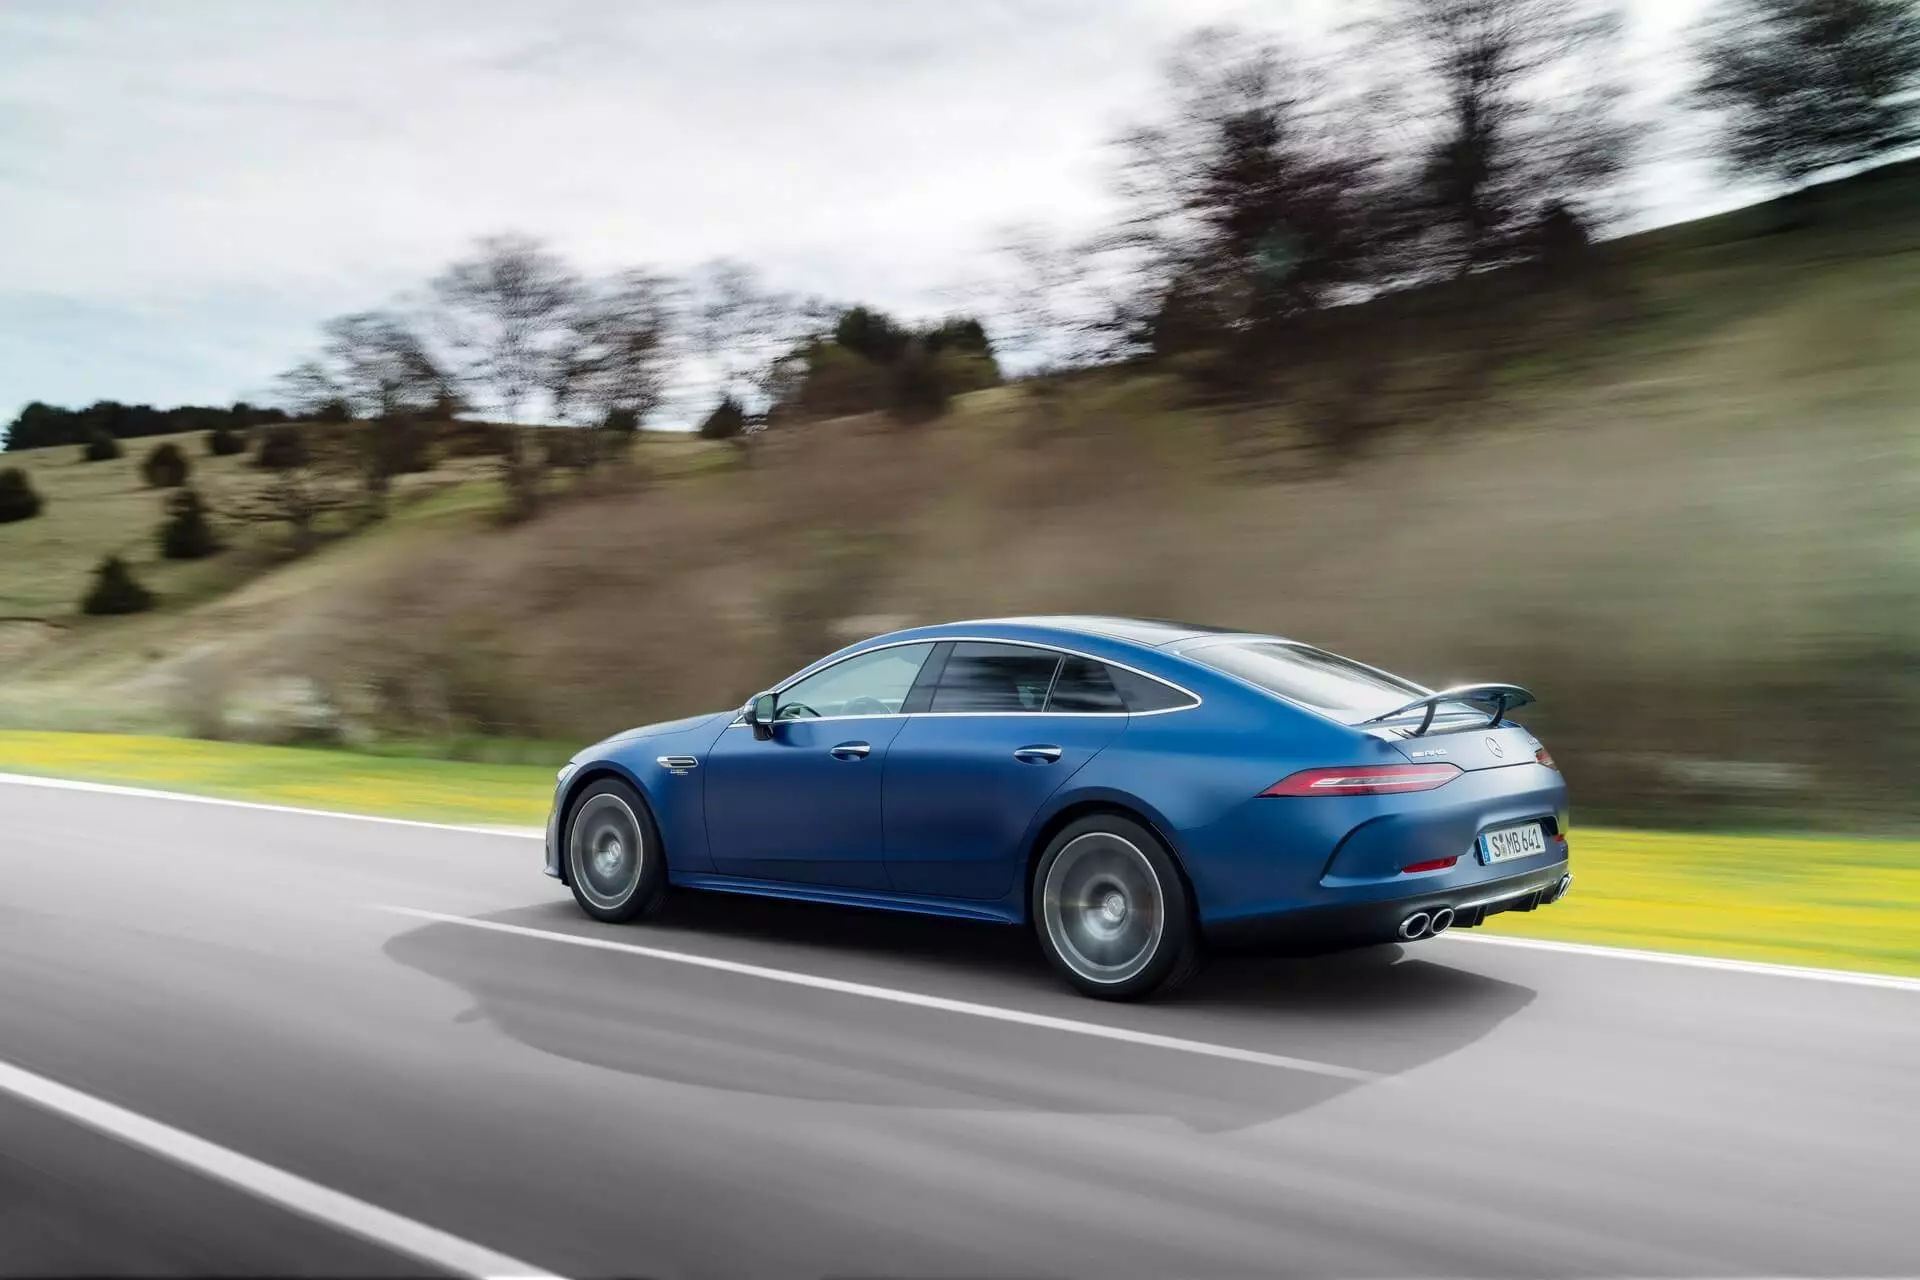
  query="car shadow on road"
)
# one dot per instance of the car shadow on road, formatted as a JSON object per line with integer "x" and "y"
{"x": 1382, "y": 1011}
{"x": 1393, "y": 980}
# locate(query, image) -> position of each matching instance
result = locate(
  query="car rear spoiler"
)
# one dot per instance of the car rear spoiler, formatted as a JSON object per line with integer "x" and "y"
{"x": 1501, "y": 697}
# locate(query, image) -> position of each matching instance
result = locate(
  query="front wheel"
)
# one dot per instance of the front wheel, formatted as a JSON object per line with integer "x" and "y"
{"x": 615, "y": 865}
{"x": 1111, "y": 910}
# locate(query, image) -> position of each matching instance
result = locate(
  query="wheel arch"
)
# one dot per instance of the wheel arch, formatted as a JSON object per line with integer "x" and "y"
{"x": 1088, "y": 806}
{"x": 585, "y": 777}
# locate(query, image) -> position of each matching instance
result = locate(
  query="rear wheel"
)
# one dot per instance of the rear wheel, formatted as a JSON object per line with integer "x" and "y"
{"x": 1111, "y": 910}
{"x": 615, "y": 865}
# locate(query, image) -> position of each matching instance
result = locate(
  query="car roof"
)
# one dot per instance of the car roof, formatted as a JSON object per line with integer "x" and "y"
{"x": 1151, "y": 632}
{"x": 1107, "y": 637}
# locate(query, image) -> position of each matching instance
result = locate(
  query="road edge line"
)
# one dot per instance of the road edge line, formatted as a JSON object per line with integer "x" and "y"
{"x": 155, "y": 793}
{"x": 289, "y": 1191}
{"x": 1692, "y": 960}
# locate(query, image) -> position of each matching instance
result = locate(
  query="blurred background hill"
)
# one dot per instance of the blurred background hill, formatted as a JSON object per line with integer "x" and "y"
{"x": 1368, "y": 369}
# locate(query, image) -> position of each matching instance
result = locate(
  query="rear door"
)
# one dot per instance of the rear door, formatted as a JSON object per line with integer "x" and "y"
{"x": 1004, "y": 727}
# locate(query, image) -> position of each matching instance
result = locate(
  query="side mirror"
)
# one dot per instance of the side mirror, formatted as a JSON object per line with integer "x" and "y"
{"x": 760, "y": 716}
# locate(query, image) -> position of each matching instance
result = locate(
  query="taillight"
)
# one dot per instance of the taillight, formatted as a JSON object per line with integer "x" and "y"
{"x": 1365, "y": 780}
{"x": 1545, "y": 757}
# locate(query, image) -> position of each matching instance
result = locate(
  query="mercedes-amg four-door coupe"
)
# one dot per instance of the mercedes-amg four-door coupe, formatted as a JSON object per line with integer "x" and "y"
{"x": 1138, "y": 792}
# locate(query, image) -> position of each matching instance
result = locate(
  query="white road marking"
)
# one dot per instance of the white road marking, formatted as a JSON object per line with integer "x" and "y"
{"x": 146, "y": 793}
{"x": 1851, "y": 977}
{"x": 276, "y": 1186}
{"x": 1203, "y": 1048}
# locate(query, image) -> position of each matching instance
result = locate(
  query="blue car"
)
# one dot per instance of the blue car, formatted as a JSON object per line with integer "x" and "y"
{"x": 1137, "y": 792}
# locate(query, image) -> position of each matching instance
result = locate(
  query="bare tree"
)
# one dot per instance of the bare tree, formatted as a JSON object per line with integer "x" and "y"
{"x": 373, "y": 365}
{"x": 1041, "y": 303}
{"x": 307, "y": 389}
{"x": 738, "y": 328}
{"x": 505, "y": 314}
{"x": 1806, "y": 86}
{"x": 381, "y": 365}
{"x": 1253, "y": 199}
{"x": 1512, "y": 109}
{"x": 614, "y": 364}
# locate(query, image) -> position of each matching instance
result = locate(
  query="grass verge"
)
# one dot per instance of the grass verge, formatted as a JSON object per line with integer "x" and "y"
{"x": 1829, "y": 902}
{"x": 392, "y": 786}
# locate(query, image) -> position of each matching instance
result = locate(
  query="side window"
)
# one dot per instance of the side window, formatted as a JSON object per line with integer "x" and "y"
{"x": 870, "y": 684}
{"x": 1085, "y": 686}
{"x": 995, "y": 677}
{"x": 1144, "y": 693}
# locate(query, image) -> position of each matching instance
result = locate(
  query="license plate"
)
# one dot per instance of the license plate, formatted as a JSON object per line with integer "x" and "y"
{"x": 1505, "y": 843}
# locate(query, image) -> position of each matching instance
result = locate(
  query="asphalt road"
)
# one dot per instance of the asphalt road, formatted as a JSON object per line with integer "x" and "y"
{"x": 1448, "y": 1108}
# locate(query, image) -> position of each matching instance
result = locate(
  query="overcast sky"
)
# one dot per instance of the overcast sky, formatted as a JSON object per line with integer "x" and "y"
{"x": 188, "y": 188}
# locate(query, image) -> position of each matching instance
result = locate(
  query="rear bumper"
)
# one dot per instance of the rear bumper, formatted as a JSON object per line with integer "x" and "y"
{"x": 1359, "y": 924}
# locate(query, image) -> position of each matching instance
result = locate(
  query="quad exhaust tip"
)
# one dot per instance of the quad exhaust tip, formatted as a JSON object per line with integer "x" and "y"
{"x": 1423, "y": 924}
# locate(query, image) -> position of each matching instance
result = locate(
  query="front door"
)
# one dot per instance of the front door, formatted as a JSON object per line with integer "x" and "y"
{"x": 805, "y": 806}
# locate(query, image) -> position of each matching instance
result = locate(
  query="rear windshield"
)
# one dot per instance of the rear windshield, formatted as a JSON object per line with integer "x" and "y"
{"x": 1325, "y": 681}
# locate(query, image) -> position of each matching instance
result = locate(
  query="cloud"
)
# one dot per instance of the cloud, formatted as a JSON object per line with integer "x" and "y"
{"x": 191, "y": 187}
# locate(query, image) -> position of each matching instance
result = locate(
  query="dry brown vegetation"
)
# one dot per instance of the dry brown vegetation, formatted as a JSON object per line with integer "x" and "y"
{"x": 1713, "y": 618}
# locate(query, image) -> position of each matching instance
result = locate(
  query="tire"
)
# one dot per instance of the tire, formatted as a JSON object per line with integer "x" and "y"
{"x": 1112, "y": 911}
{"x": 616, "y": 866}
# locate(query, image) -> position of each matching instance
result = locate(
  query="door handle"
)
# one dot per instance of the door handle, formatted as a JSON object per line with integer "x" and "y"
{"x": 1037, "y": 755}
{"x": 851, "y": 751}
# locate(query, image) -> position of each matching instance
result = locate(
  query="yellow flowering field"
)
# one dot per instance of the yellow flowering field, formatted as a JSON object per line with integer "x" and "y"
{"x": 1826, "y": 901}
{"x": 432, "y": 790}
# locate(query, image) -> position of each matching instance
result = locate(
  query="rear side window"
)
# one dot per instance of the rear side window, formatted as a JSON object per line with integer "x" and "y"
{"x": 1328, "y": 683}
{"x": 1086, "y": 686}
{"x": 995, "y": 677}
{"x": 1143, "y": 693}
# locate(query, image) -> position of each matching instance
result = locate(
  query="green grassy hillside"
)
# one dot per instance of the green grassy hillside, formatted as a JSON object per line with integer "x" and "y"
{"x": 215, "y": 618}
{"x": 95, "y": 509}
{"x": 99, "y": 508}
